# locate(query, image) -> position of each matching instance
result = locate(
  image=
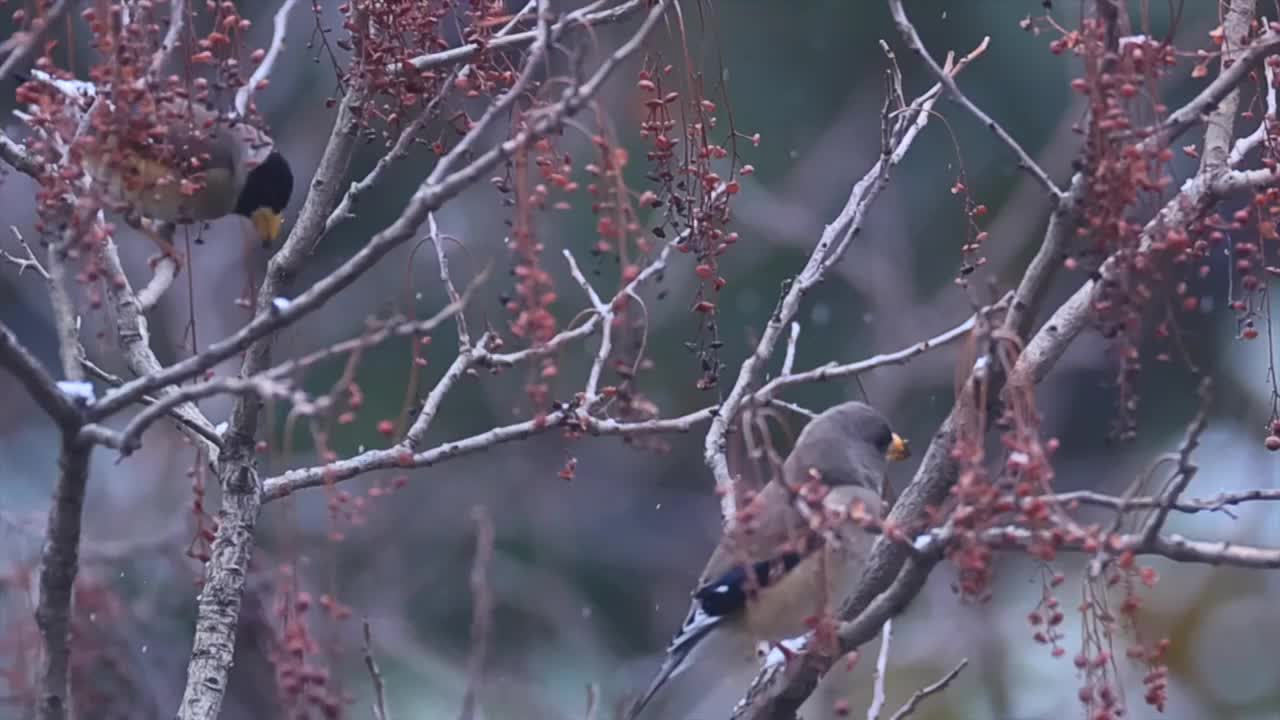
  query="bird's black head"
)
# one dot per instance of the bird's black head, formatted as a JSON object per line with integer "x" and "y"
{"x": 268, "y": 185}
{"x": 266, "y": 192}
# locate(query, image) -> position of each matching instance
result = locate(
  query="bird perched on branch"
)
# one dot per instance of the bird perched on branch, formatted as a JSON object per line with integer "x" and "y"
{"x": 170, "y": 160}
{"x": 793, "y": 553}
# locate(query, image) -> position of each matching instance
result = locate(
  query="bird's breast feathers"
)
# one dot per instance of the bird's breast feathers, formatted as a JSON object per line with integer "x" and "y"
{"x": 153, "y": 189}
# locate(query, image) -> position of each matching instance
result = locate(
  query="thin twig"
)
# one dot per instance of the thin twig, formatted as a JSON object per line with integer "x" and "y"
{"x": 399, "y": 456}
{"x": 586, "y": 17}
{"x": 1172, "y": 546}
{"x": 882, "y": 671}
{"x": 481, "y": 612}
{"x": 918, "y": 696}
{"x": 789, "y": 358}
{"x": 1186, "y": 469}
{"x": 605, "y": 312}
{"x": 912, "y": 38}
{"x": 346, "y": 207}
{"x": 380, "y": 711}
{"x": 29, "y": 42}
{"x": 437, "y": 242}
{"x": 279, "y": 25}
{"x": 274, "y": 382}
{"x": 1190, "y": 507}
{"x": 30, "y": 261}
{"x": 832, "y": 370}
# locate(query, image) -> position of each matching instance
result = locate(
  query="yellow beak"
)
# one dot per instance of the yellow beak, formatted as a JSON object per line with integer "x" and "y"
{"x": 899, "y": 449}
{"x": 267, "y": 223}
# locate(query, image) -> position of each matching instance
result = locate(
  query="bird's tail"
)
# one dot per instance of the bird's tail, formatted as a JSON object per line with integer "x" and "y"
{"x": 702, "y": 677}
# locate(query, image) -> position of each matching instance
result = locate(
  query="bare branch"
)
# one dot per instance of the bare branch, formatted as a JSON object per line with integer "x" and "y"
{"x": 588, "y": 17}
{"x": 912, "y": 38}
{"x": 172, "y": 38}
{"x": 1209, "y": 99}
{"x": 400, "y": 457}
{"x": 403, "y": 456}
{"x": 279, "y": 24}
{"x": 274, "y": 382}
{"x": 1171, "y": 546}
{"x": 918, "y": 696}
{"x": 431, "y": 405}
{"x": 30, "y": 261}
{"x": 166, "y": 270}
{"x": 1235, "y": 180}
{"x": 564, "y": 337}
{"x": 481, "y": 612}
{"x": 380, "y": 711}
{"x": 1190, "y": 507}
{"x": 437, "y": 242}
{"x": 882, "y": 671}
{"x": 23, "y": 46}
{"x": 203, "y": 430}
{"x": 1246, "y": 144}
{"x": 605, "y": 312}
{"x": 59, "y": 563}
{"x": 59, "y": 560}
{"x": 1220, "y": 121}
{"x": 832, "y": 370}
{"x": 1186, "y": 469}
{"x": 346, "y": 207}
{"x": 37, "y": 381}
{"x": 135, "y": 345}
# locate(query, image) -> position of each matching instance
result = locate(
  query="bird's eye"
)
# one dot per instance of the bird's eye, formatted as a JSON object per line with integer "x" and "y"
{"x": 884, "y": 439}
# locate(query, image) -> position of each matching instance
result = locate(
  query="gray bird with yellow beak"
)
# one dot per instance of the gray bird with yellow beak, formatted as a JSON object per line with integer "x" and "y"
{"x": 178, "y": 161}
{"x": 777, "y": 568}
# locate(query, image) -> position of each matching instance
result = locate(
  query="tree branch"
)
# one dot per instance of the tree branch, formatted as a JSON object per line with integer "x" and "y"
{"x": 59, "y": 563}
{"x": 830, "y": 248}
{"x": 219, "y": 602}
{"x": 892, "y": 578}
{"x": 918, "y": 696}
{"x": 37, "y": 381}
{"x": 279, "y": 25}
{"x": 1025, "y": 161}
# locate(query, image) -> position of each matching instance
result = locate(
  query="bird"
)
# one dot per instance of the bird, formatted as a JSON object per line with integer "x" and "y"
{"x": 780, "y": 566}
{"x": 178, "y": 161}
